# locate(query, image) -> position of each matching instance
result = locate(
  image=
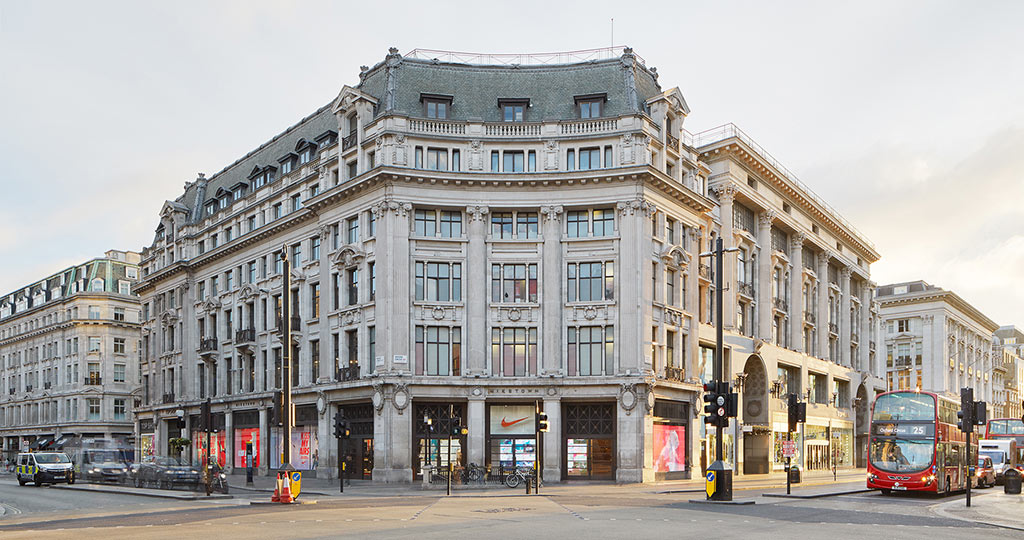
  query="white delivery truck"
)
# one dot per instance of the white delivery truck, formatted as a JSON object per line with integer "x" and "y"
{"x": 1003, "y": 453}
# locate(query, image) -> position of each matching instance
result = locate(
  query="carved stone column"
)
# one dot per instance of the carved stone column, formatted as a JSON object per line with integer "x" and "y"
{"x": 845, "y": 320}
{"x": 726, "y": 194}
{"x": 692, "y": 304}
{"x": 635, "y": 295}
{"x": 796, "y": 292}
{"x": 764, "y": 275}
{"x": 822, "y": 317}
{"x": 326, "y": 372}
{"x": 476, "y": 293}
{"x": 393, "y": 333}
{"x": 866, "y": 336}
{"x": 551, "y": 292}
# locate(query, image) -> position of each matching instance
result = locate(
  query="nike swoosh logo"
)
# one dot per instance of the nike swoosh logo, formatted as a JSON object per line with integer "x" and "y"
{"x": 506, "y": 423}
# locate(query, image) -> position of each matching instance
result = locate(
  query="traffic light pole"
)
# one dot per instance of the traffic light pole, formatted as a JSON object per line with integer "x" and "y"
{"x": 789, "y": 463}
{"x": 207, "y": 421}
{"x": 722, "y": 473}
{"x": 970, "y": 469}
{"x": 451, "y": 418}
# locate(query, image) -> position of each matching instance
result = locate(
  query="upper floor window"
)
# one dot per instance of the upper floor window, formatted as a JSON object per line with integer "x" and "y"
{"x": 306, "y": 156}
{"x": 513, "y": 283}
{"x": 432, "y": 222}
{"x": 437, "y": 159}
{"x": 296, "y": 201}
{"x": 590, "y": 106}
{"x": 581, "y": 222}
{"x": 286, "y": 166}
{"x": 524, "y": 223}
{"x": 353, "y": 229}
{"x": 514, "y": 162}
{"x": 439, "y": 281}
{"x": 590, "y": 158}
{"x": 211, "y": 208}
{"x": 224, "y": 202}
{"x": 512, "y": 110}
{"x": 590, "y": 281}
{"x": 436, "y": 106}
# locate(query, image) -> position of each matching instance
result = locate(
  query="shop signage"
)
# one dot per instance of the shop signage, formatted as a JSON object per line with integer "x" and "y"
{"x": 513, "y": 419}
{"x": 514, "y": 390}
{"x": 788, "y": 449}
{"x": 892, "y": 429}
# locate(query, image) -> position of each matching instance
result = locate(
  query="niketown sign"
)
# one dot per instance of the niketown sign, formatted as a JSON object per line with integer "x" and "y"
{"x": 512, "y": 419}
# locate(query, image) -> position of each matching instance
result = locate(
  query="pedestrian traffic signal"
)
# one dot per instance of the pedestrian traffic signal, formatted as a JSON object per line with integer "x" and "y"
{"x": 542, "y": 422}
{"x": 732, "y": 402}
{"x": 965, "y": 416}
{"x": 278, "y": 411}
{"x": 797, "y": 412}
{"x": 341, "y": 426}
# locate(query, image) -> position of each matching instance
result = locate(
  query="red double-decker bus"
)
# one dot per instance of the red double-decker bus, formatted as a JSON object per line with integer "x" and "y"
{"x": 915, "y": 444}
{"x": 1008, "y": 428}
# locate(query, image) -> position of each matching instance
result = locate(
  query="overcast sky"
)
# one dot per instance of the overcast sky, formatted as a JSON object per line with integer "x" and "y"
{"x": 908, "y": 117}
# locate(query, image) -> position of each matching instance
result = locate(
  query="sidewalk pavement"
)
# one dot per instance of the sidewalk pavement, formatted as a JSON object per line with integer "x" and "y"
{"x": 142, "y": 492}
{"x": 997, "y": 508}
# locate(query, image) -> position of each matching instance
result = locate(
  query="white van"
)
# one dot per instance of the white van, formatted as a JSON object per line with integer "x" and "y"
{"x": 44, "y": 468}
{"x": 1003, "y": 453}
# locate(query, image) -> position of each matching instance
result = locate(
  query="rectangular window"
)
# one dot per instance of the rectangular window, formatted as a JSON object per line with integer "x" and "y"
{"x": 670, "y": 230}
{"x": 591, "y": 351}
{"x": 119, "y": 373}
{"x": 438, "y": 281}
{"x": 494, "y": 161}
{"x": 514, "y": 283}
{"x": 94, "y": 408}
{"x": 94, "y": 312}
{"x": 373, "y": 280}
{"x": 251, "y": 221}
{"x": 590, "y": 281}
{"x": 501, "y": 225}
{"x": 514, "y": 351}
{"x": 120, "y": 409}
{"x": 251, "y": 271}
{"x": 229, "y": 280}
{"x": 353, "y": 170}
{"x": 353, "y": 286}
{"x": 670, "y": 287}
{"x": 670, "y": 348}
{"x": 314, "y": 251}
{"x": 513, "y": 162}
{"x": 353, "y": 229}
{"x": 296, "y": 202}
{"x": 590, "y": 158}
{"x": 314, "y": 357}
{"x": 371, "y": 348}
{"x": 513, "y": 112}
{"x": 276, "y": 212}
{"x": 228, "y": 234}
{"x": 119, "y": 314}
{"x": 608, "y": 157}
{"x": 296, "y": 259}
{"x": 604, "y": 222}
{"x": 577, "y": 224}
{"x": 425, "y": 223}
{"x": 451, "y": 224}
{"x": 590, "y": 108}
{"x": 438, "y": 350}
{"x": 526, "y": 225}
{"x": 373, "y": 224}
{"x": 570, "y": 159}
{"x": 119, "y": 345}
{"x": 531, "y": 161}
{"x": 436, "y": 109}
{"x": 94, "y": 344}
{"x": 314, "y": 304}
{"x": 437, "y": 159}
{"x": 335, "y": 290}
{"x": 456, "y": 165}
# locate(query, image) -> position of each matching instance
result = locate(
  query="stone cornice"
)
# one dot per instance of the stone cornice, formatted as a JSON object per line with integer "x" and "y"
{"x": 940, "y": 295}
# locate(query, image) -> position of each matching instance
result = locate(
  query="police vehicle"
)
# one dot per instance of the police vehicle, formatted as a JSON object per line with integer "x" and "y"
{"x": 44, "y": 468}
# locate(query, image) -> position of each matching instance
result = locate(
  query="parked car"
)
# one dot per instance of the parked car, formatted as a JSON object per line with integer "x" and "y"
{"x": 166, "y": 473}
{"x": 985, "y": 472}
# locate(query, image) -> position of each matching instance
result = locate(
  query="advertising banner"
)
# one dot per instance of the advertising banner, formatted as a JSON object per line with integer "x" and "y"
{"x": 513, "y": 419}
{"x": 217, "y": 452}
{"x": 242, "y": 436}
{"x": 146, "y": 447}
{"x": 305, "y": 451}
{"x": 669, "y": 448}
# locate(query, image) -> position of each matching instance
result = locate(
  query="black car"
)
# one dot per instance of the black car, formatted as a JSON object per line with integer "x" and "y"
{"x": 166, "y": 473}
{"x": 103, "y": 466}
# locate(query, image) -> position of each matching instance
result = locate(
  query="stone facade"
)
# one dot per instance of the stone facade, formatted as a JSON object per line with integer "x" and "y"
{"x": 69, "y": 356}
{"x": 470, "y": 257}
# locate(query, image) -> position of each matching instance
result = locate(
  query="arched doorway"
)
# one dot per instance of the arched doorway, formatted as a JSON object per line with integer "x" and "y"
{"x": 755, "y": 413}
{"x": 862, "y": 424}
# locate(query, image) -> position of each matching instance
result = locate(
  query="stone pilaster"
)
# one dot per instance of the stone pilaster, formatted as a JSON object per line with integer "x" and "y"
{"x": 393, "y": 332}
{"x": 692, "y": 305}
{"x": 796, "y": 296}
{"x": 822, "y": 318}
{"x": 845, "y": 320}
{"x": 635, "y": 295}
{"x": 476, "y": 295}
{"x": 326, "y": 372}
{"x": 551, "y": 292}
{"x": 764, "y": 275}
{"x": 726, "y": 194}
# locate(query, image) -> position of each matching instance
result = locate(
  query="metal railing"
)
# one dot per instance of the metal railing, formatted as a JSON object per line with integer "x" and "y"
{"x": 168, "y": 398}
{"x": 348, "y": 141}
{"x": 245, "y": 335}
{"x": 523, "y": 59}
{"x": 746, "y": 289}
{"x": 730, "y": 130}
{"x": 350, "y": 373}
{"x": 673, "y": 373}
{"x": 780, "y": 304}
{"x": 94, "y": 381}
{"x": 208, "y": 345}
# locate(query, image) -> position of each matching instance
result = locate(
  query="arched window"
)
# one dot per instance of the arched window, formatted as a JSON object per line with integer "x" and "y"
{"x": 97, "y": 284}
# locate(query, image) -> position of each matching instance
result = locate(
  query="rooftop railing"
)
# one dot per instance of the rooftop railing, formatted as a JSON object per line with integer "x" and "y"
{"x": 730, "y": 130}
{"x": 522, "y": 59}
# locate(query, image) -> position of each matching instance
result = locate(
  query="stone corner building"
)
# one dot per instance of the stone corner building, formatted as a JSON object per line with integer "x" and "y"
{"x": 69, "y": 356}
{"x": 474, "y": 240}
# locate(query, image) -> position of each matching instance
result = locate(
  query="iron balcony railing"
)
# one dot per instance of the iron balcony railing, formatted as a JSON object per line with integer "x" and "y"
{"x": 208, "y": 345}
{"x": 350, "y": 373}
{"x": 95, "y": 380}
{"x": 348, "y": 141}
{"x": 245, "y": 335}
{"x": 168, "y": 398}
{"x": 673, "y": 373}
{"x": 746, "y": 289}
{"x": 673, "y": 142}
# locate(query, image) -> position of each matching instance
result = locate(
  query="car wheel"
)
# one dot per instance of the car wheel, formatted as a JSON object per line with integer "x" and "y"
{"x": 37, "y": 481}
{"x": 138, "y": 482}
{"x": 21, "y": 482}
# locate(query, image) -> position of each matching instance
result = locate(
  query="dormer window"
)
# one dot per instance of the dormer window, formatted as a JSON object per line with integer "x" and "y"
{"x": 326, "y": 138}
{"x": 513, "y": 110}
{"x": 436, "y": 105}
{"x": 237, "y": 194}
{"x": 211, "y": 208}
{"x": 591, "y": 105}
{"x": 224, "y": 202}
{"x": 286, "y": 166}
{"x": 305, "y": 156}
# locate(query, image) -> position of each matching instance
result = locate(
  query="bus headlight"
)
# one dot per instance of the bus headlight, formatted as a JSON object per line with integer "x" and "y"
{"x": 872, "y": 477}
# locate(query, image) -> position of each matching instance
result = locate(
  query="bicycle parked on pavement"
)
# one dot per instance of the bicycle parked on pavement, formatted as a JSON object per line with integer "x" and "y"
{"x": 518, "y": 476}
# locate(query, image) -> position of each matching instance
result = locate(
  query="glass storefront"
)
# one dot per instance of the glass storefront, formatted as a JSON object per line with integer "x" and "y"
{"x": 431, "y": 444}
{"x": 779, "y": 436}
{"x": 589, "y": 440}
{"x": 358, "y": 449}
{"x": 511, "y": 438}
{"x": 305, "y": 448}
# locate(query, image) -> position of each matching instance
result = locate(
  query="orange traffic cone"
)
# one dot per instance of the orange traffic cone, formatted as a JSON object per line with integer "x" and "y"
{"x": 276, "y": 497}
{"x": 286, "y": 492}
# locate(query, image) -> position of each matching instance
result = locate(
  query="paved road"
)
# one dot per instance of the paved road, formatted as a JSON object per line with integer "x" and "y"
{"x": 592, "y": 513}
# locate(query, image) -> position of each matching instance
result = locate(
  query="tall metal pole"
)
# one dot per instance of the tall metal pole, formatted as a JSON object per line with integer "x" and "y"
{"x": 286, "y": 322}
{"x": 719, "y": 368}
{"x": 970, "y": 477}
{"x": 451, "y": 415}
{"x": 208, "y": 421}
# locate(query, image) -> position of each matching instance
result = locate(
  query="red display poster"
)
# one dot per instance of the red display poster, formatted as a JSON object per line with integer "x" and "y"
{"x": 669, "y": 448}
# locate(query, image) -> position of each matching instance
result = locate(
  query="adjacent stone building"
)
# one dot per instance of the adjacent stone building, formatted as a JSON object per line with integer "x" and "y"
{"x": 474, "y": 238}
{"x": 936, "y": 341}
{"x": 1008, "y": 343}
{"x": 69, "y": 356}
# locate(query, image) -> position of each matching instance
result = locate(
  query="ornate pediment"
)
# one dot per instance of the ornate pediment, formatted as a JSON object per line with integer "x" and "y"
{"x": 210, "y": 304}
{"x": 248, "y": 292}
{"x": 348, "y": 256}
{"x": 675, "y": 256}
{"x": 169, "y": 317}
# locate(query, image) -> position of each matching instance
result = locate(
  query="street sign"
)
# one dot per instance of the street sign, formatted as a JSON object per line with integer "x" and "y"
{"x": 709, "y": 486}
{"x": 296, "y": 483}
{"x": 788, "y": 449}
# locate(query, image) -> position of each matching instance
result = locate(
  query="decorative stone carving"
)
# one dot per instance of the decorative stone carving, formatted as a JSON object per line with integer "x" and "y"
{"x": 549, "y": 213}
{"x": 590, "y": 313}
{"x": 298, "y": 276}
{"x": 638, "y": 205}
{"x": 324, "y": 231}
{"x": 822, "y": 259}
{"x": 628, "y": 59}
{"x": 551, "y": 391}
{"x": 348, "y": 256}
{"x": 476, "y": 155}
{"x": 437, "y": 313}
{"x": 626, "y": 149}
{"x": 350, "y": 317}
{"x": 845, "y": 273}
{"x": 476, "y": 213}
{"x": 378, "y": 396}
{"x": 400, "y": 398}
{"x": 695, "y": 234}
{"x": 796, "y": 242}
{"x": 514, "y": 314}
{"x": 247, "y": 292}
{"x": 551, "y": 155}
{"x": 476, "y": 391}
{"x": 400, "y": 151}
{"x": 725, "y": 192}
{"x": 210, "y": 305}
{"x": 628, "y": 398}
{"x": 766, "y": 218}
{"x": 675, "y": 256}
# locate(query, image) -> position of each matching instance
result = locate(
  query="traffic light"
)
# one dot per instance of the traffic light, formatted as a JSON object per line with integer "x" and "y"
{"x": 341, "y": 429}
{"x": 980, "y": 413}
{"x": 732, "y": 402}
{"x": 965, "y": 416}
{"x": 459, "y": 430}
{"x": 711, "y": 398}
{"x": 791, "y": 407}
{"x": 205, "y": 417}
{"x": 542, "y": 422}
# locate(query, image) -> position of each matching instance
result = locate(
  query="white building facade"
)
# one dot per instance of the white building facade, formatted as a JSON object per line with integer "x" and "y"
{"x": 470, "y": 257}
{"x": 69, "y": 356}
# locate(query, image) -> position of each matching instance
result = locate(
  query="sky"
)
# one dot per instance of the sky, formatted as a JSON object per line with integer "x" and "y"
{"x": 907, "y": 117}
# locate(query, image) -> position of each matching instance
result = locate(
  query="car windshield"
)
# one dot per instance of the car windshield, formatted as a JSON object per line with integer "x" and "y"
{"x": 982, "y": 462}
{"x": 106, "y": 456}
{"x": 1010, "y": 426}
{"x": 905, "y": 406}
{"x": 168, "y": 462}
{"x": 997, "y": 457}
{"x": 52, "y": 458}
{"x": 902, "y": 455}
